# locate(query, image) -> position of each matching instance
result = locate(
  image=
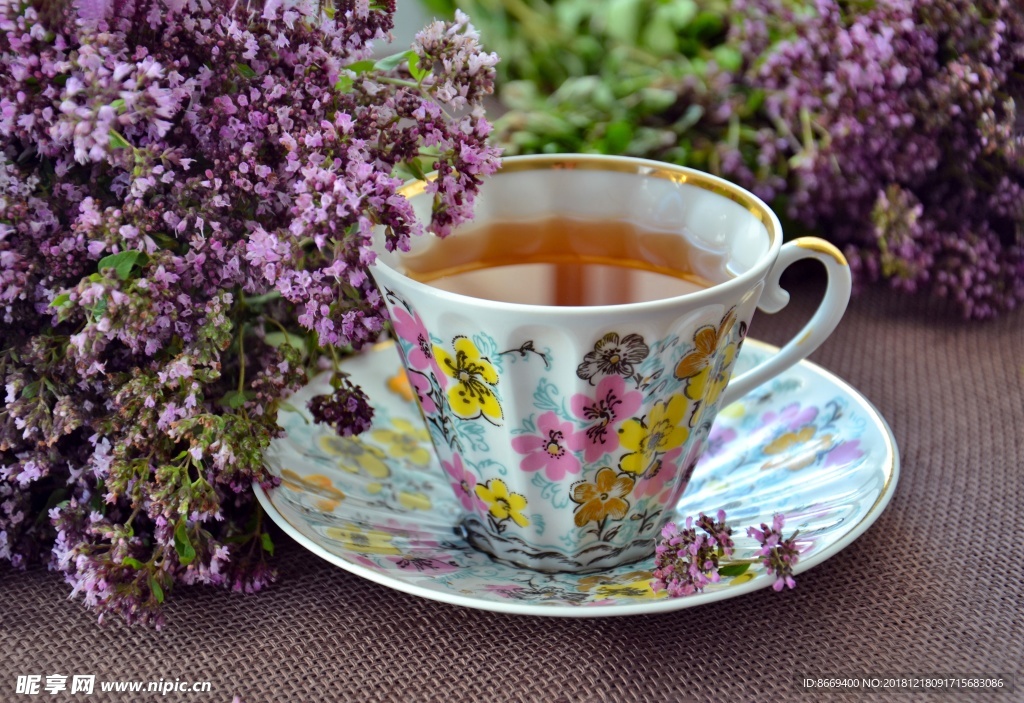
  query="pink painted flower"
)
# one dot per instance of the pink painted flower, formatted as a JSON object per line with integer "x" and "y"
{"x": 463, "y": 482}
{"x": 844, "y": 453}
{"x": 553, "y": 448}
{"x": 421, "y": 386}
{"x": 411, "y": 329}
{"x": 718, "y": 439}
{"x": 792, "y": 417}
{"x": 611, "y": 403}
{"x": 664, "y": 474}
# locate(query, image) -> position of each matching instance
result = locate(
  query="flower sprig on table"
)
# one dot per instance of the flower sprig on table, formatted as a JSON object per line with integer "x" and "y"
{"x": 686, "y": 561}
{"x": 187, "y": 194}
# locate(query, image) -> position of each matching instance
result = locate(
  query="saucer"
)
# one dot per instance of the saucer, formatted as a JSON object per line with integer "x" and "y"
{"x": 805, "y": 444}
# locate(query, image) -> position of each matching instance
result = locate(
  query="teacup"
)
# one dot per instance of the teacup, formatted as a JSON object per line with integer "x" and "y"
{"x": 569, "y": 432}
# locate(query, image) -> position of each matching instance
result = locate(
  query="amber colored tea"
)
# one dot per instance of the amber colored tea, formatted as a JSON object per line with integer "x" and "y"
{"x": 559, "y": 261}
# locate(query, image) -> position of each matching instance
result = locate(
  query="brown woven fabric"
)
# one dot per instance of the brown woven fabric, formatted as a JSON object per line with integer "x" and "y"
{"x": 933, "y": 587}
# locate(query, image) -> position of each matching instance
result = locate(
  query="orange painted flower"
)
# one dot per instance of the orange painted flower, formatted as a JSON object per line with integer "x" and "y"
{"x": 318, "y": 484}
{"x": 790, "y": 440}
{"x": 706, "y": 367}
{"x": 399, "y": 385}
{"x": 603, "y": 498}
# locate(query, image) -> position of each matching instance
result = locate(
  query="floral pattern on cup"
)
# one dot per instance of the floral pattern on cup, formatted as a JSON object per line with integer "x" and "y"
{"x": 631, "y": 430}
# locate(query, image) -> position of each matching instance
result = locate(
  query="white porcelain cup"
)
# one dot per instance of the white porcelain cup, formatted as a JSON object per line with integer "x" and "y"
{"x": 571, "y": 432}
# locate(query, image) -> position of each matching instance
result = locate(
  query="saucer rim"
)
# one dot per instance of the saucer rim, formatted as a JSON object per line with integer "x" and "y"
{"x": 892, "y": 472}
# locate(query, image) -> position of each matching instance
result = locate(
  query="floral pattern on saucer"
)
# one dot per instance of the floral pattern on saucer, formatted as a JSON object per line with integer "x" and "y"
{"x": 380, "y": 505}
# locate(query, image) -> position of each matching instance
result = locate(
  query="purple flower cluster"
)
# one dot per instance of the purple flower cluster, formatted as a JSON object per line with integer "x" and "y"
{"x": 902, "y": 136}
{"x": 188, "y": 192}
{"x": 687, "y": 561}
{"x": 779, "y": 555}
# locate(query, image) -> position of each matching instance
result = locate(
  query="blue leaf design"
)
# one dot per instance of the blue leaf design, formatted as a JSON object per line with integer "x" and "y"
{"x": 487, "y": 347}
{"x": 537, "y": 520}
{"x": 546, "y": 398}
{"x": 551, "y": 492}
{"x": 473, "y": 435}
{"x": 487, "y": 467}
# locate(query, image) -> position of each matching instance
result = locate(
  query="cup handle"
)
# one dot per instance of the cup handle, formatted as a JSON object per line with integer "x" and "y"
{"x": 820, "y": 326}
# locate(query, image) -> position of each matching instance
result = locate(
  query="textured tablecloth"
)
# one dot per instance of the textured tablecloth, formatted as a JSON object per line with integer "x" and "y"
{"x": 933, "y": 587}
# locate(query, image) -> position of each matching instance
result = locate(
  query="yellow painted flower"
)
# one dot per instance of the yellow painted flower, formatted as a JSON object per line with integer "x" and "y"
{"x": 603, "y": 498}
{"x": 329, "y": 496}
{"x": 502, "y": 504}
{"x": 789, "y": 440}
{"x": 635, "y": 584}
{"x": 399, "y": 385}
{"x": 663, "y": 430}
{"x": 707, "y": 366}
{"x": 363, "y": 541}
{"x": 410, "y": 500}
{"x": 796, "y": 450}
{"x": 734, "y": 411}
{"x": 641, "y": 590}
{"x": 472, "y": 395}
{"x": 354, "y": 456}
{"x": 414, "y": 500}
{"x": 405, "y": 441}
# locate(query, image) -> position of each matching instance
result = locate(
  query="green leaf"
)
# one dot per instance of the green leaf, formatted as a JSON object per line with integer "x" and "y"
{"x": 733, "y": 570}
{"x": 61, "y": 299}
{"x": 415, "y": 70}
{"x": 118, "y": 104}
{"x": 678, "y": 13}
{"x": 344, "y": 84}
{"x": 617, "y": 137}
{"x": 31, "y": 390}
{"x": 390, "y": 63}
{"x": 623, "y": 20}
{"x": 122, "y": 262}
{"x": 117, "y": 141}
{"x": 659, "y": 38}
{"x": 182, "y": 545}
{"x": 133, "y": 562}
{"x": 727, "y": 58}
{"x": 157, "y": 590}
{"x": 236, "y": 399}
{"x": 360, "y": 67}
{"x": 268, "y": 544}
{"x": 245, "y": 71}
{"x": 280, "y": 339}
{"x": 416, "y": 169}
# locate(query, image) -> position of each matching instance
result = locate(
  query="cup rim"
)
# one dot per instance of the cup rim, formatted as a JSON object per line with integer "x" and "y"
{"x": 619, "y": 164}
